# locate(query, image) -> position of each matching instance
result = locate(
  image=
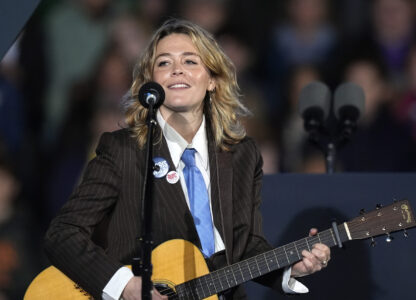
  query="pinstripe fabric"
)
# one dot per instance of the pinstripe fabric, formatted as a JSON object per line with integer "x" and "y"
{"x": 108, "y": 198}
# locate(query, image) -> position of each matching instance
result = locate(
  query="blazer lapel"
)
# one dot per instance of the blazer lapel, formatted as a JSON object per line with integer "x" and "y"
{"x": 221, "y": 195}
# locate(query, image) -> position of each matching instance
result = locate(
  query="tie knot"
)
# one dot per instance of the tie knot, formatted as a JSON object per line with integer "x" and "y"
{"x": 188, "y": 157}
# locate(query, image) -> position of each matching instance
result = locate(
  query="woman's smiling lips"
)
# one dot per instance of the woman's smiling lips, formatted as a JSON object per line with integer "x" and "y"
{"x": 179, "y": 85}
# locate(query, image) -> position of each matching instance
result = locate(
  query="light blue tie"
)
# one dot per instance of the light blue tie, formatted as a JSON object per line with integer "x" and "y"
{"x": 199, "y": 202}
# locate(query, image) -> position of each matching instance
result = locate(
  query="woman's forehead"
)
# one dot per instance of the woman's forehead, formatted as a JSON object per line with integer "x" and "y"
{"x": 176, "y": 42}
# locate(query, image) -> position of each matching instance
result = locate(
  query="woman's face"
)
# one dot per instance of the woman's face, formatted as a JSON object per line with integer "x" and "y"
{"x": 179, "y": 69}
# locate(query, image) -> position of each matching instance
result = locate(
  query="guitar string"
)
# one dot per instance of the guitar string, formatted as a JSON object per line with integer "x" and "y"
{"x": 261, "y": 264}
{"x": 281, "y": 253}
{"x": 325, "y": 237}
{"x": 289, "y": 247}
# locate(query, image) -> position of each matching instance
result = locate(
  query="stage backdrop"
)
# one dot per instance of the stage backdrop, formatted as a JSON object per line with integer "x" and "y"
{"x": 292, "y": 203}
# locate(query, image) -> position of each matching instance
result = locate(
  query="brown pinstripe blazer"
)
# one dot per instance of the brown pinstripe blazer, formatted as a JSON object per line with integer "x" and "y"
{"x": 110, "y": 193}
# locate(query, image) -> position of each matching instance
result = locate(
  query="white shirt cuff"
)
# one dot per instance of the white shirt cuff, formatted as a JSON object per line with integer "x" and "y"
{"x": 290, "y": 285}
{"x": 117, "y": 283}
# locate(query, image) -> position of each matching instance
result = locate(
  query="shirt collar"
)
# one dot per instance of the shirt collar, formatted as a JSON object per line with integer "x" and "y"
{"x": 177, "y": 144}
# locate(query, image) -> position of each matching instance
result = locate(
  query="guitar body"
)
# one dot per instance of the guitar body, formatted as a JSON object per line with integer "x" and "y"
{"x": 174, "y": 262}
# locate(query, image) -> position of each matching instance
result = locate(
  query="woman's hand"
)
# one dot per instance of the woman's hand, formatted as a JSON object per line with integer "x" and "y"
{"x": 312, "y": 261}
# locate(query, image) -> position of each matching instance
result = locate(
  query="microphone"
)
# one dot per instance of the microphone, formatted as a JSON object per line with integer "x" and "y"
{"x": 151, "y": 94}
{"x": 314, "y": 104}
{"x": 349, "y": 103}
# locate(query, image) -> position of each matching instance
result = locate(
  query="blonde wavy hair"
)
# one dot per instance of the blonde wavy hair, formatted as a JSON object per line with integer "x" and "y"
{"x": 222, "y": 108}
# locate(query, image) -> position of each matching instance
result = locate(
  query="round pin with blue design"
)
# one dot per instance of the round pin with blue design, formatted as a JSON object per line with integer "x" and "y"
{"x": 161, "y": 167}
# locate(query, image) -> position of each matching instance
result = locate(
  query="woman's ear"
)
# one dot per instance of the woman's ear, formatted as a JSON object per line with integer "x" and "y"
{"x": 211, "y": 85}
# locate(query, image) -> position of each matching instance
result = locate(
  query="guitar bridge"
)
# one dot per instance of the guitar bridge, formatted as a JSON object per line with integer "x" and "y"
{"x": 82, "y": 291}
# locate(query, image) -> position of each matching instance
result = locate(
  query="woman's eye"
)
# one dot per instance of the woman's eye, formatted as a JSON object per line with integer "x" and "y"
{"x": 162, "y": 63}
{"x": 190, "y": 62}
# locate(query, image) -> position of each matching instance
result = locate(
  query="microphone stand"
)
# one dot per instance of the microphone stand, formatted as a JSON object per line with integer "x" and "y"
{"x": 324, "y": 141}
{"x": 330, "y": 157}
{"x": 142, "y": 265}
{"x": 329, "y": 141}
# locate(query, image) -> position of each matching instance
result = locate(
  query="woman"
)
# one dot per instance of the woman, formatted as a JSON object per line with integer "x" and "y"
{"x": 201, "y": 112}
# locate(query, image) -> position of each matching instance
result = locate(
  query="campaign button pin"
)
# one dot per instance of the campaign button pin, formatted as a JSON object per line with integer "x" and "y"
{"x": 161, "y": 167}
{"x": 172, "y": 177}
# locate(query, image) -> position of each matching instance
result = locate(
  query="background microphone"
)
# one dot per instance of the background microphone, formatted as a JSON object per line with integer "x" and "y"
{"x": 151, "y": 93}
{"x": 314, "y": 104}
{"x": 349, "y": 103}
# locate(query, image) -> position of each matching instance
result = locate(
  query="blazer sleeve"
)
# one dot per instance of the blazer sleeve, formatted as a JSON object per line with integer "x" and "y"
{"x": 68, "y": 241}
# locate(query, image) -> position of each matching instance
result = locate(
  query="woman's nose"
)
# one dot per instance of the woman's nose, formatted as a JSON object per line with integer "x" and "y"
{"x": 177, "y": 69}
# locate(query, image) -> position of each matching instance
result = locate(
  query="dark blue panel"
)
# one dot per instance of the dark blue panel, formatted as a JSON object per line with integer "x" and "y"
{"x": 13, "y": 16}
{"x": 292, "y": 203}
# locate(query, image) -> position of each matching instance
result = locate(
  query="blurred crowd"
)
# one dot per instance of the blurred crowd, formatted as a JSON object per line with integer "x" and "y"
{"x": 62, "y": 83}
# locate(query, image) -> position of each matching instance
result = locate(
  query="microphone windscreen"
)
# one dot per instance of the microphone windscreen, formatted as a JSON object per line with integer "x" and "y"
{"x": 315, "y": 96}
{"x": 151, "y": 88}
{"x": 349, "y": 101}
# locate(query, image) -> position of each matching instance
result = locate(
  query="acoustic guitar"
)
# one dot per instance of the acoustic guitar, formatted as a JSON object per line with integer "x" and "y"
{"x": 180, "y": 270}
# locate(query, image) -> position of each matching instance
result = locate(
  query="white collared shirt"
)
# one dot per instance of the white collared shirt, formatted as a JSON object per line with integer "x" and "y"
{"x": 177, "y": 145}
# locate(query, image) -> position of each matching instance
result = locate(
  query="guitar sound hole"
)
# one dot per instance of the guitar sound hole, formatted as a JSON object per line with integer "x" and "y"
{"x": 165, "y": 290}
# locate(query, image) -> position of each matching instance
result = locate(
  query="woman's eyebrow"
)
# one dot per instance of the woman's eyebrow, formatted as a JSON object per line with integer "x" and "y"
{"x": 190, "y": 53}
{"x": 187, "y": 53}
